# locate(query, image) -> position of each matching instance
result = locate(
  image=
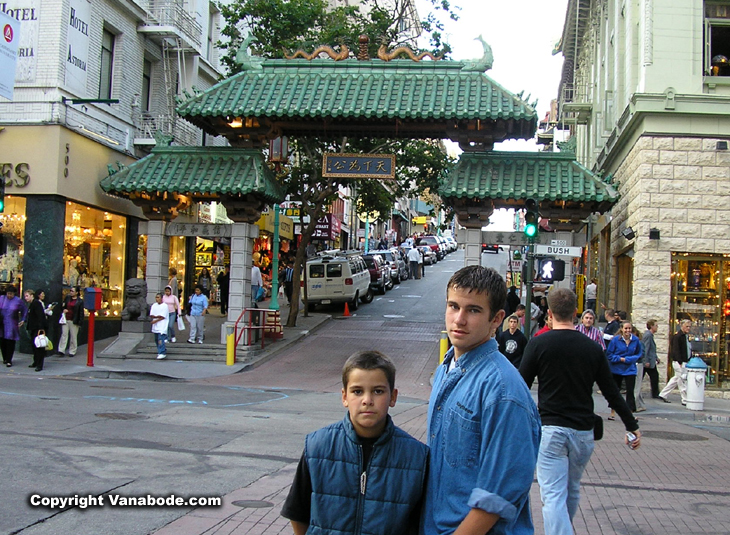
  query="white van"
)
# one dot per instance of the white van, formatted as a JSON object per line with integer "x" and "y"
{"x": 338, "y": 277}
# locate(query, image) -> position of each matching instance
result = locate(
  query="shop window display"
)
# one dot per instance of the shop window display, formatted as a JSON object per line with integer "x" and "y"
{"x": 95, "y": 253}
{"x": 11, "y": 243}
{"x": 701, "y": 293}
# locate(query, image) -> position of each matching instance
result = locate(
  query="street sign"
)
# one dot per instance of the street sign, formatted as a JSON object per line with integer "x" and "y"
{"x": 558, "y": 242}
{"x": 558, "y": 250}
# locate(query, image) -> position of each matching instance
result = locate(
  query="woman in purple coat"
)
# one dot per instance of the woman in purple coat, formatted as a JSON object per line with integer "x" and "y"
{"x": 13, "y": 313}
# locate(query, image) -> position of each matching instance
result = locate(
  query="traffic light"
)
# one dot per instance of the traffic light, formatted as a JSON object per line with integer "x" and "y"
{"x": 531, "y": 218}
{"x": 550, "y": 270}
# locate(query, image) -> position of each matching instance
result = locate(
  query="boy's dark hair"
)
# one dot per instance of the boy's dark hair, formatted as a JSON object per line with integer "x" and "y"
{"x": 520, "y": 307}
{"x": 369, "y": 360}
{"x": 562, "y": 303}
{"x": 484, "y": 281}
{"x": 650, "y": 324}
{"x": 622, "y": 315}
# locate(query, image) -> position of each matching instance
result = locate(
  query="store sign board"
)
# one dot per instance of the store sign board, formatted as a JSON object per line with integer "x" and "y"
{"x": 26, "y": 13}
{"x": 377, "y": 166}
{"x": 209, "y": 230}
{"x": 8, "y": 54}
{"x": 77, "y": 53}
{"x": 327, "y": 228}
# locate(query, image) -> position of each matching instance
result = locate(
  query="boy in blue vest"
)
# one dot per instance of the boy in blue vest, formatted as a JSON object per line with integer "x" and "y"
{"x": 362, "y": 474}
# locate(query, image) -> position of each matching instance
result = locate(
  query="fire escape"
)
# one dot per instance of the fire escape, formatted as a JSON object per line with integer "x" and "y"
{"x": 180, "y": 37}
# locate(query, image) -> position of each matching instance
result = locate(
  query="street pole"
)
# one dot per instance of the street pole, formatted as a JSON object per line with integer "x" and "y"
{"x": 367, "y": 232}
{"x": 274, "y": 303}
{"x": 528, "y": 282}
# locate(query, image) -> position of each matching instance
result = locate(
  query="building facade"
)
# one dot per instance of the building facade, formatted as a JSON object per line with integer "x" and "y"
{"x": 645, "y": 91}
{"x": 95, "y": 81}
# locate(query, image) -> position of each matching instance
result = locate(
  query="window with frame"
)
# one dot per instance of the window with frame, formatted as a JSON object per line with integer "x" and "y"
{"x": 717, "y": 39}
{"x": 146, "y": 85}
{"x": 107, "y": 64}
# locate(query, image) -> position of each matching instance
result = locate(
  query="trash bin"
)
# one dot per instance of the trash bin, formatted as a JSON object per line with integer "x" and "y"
{"x": 696, "y": 371}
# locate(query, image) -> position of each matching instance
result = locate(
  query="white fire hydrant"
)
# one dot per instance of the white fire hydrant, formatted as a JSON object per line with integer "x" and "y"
{"x": 696, "y": 372}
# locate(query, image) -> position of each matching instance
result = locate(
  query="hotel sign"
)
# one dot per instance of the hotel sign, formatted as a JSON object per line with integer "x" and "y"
{"x": 376, "y": 166}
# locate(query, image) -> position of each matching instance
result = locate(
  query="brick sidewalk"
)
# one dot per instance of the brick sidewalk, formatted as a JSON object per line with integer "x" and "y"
{"x": 673, "y": 485}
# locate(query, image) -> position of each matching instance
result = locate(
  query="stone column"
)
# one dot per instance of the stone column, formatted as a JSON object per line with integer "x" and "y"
{"x": 158, "y": 259}
{"x": 239, "y": 294}
{"x": 471, "y": 238}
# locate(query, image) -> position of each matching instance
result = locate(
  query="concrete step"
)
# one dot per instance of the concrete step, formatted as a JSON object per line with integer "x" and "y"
{"x": 206, "y": 352}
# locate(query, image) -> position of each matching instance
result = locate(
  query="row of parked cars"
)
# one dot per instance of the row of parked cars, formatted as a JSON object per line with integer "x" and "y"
{"x": 341, "y": 276}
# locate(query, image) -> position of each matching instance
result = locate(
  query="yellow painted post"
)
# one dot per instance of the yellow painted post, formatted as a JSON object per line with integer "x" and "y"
{"x": 230, "y": 346}
{"x": 443, "y": 346}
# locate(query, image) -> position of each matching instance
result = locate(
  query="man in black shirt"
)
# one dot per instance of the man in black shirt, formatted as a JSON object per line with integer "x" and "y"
{"x": 613, "y": 326}
{"x": 566, "y": 364}
{"x": 512, "y": 342}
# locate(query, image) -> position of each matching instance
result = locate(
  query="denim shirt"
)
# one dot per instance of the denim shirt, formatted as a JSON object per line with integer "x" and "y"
{"x": 484, "y": 435}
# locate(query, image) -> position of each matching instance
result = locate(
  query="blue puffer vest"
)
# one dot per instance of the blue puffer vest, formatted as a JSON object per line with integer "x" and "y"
{"x": 378, "y": 502}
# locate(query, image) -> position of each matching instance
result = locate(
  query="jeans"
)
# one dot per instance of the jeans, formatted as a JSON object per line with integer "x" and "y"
{"x": 160, "y": 339}
{"x": 564, "y": 454}
{"x": 171, "y": 322}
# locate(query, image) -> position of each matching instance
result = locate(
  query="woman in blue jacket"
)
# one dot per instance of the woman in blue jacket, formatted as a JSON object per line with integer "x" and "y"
{"x": 622, "y": 352}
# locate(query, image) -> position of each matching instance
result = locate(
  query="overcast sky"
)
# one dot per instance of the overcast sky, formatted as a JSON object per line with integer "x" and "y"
{"x": 522, "y": 34}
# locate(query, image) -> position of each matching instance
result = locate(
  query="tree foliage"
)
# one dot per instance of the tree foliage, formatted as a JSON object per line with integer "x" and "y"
{"x": 284, "y": 26}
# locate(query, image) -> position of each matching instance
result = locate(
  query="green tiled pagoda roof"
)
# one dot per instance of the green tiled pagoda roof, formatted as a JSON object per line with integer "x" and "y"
{"x": 543, "y": 176}
{"x": 356, "y": 90}
{"x": 197, "y": 172}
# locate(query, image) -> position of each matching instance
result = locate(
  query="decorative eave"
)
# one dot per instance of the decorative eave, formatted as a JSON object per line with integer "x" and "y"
{"x": 170, "y": 178}
{"x": 566, "y": 191}
{"x": 373, "y": 97}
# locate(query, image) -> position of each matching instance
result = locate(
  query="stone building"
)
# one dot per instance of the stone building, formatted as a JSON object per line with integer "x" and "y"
{"x": 645, "y": 91}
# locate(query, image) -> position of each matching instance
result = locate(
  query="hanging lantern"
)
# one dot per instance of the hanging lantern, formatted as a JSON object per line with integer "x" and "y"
{"x": 279, "y": 150}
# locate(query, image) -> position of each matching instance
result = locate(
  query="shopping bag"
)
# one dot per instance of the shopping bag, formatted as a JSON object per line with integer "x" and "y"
{"x": 260, "y": 294}
{"x": 62, "y": 319}
{"x": 49, "y": 345}
{"x": 180, "y": 323}
{"x": 41, "y": 340}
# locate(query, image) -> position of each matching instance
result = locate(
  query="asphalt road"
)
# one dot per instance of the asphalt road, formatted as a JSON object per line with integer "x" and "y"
{"x": 64, "y": 436}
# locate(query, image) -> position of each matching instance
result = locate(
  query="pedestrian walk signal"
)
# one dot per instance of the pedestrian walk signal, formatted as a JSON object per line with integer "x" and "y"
{"x": 531, "y": 218}
{"x": 550, "y": 270}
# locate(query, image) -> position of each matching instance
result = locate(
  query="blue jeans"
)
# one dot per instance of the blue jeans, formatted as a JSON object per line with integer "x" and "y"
{"x": 564, "y": 454}
{"x": 160, "y": 339}
{"x": 171, "y": 322}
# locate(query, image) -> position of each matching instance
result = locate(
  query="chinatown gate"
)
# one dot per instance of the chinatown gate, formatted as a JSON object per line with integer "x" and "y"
{"x": 351, "y": 96}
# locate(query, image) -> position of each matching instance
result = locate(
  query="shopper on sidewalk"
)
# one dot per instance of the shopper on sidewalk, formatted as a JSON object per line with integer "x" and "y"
{"x": 198, "y": 310}
{"x": 567, "y": 364}
{"x": 72, "y": 317}
{"x": 35, "y": 323}
{"x": 680, "y": 350}
{"x": 362, "y": 474}
{"x": 13, "y": 314}
{"x": 483, "y": 426}
{"x": 623, "y": 352}
{"x": 173, "y": 306}
{"x": 159, "y": 314}
{"x": 650, "y": 357}
{"x": 587, "y": 327}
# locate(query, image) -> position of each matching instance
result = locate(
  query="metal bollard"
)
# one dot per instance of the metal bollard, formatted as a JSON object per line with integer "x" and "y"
{"x": 443, "y": 346}
{"x": 230, "y": 346}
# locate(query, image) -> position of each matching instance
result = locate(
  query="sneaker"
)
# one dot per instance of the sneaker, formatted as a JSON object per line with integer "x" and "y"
{"x": 191, "y": 341}
{"x": 173, "y": 340}
{"x": 665, "y": 400}
{"x": 161, "y": 356}
{"x": 640, "y": 409}
{"x": 200, "y": 341}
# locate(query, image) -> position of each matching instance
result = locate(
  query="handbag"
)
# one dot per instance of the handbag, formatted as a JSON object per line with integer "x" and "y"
{"x": 260, "y": 294}
{"x": 180, "y": 323}
{"x": 41, "y": 340}
{"x": 62, "y": 319}
{"x": 597, "y": 427}
{"x": 49, "y": 345}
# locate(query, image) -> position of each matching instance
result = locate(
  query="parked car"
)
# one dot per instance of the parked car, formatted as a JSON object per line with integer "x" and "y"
{"x": 443, "y": 244}
{"x": 433, "y": 243}
{"x": 396, "y": 263}
{"x": 337, "y": 277}
{"x": 379, "y": 272}
{"x": 429, "y": 257}
{"x": 452, "y": 243}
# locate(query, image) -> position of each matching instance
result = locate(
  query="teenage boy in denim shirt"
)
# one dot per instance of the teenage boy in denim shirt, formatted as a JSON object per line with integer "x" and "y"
{"x": 483, "y": 426}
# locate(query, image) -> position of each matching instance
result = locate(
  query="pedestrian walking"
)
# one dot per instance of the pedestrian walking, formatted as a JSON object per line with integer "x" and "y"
{"x": 71, "y": 319}
{"x": 36, "y": 323}
{"x": 650, "y": 357}
{"x": 612, "y": 327}
{"x": 623, "y": 352}
{"x": 205, "y": 281}
{"x": 257, "y": 282}
{"x": 198, "y": 309}
{"x": 289, "y": 280}
{"x": 224, "y": 281}
{"x": 512, "y": 341}
{"x": 680, "y": 351}
{"x": 414, "y": 257}
{"x": 172, "y": 283}
{"x": 173, "y": 306}
{"x": 591, "y": 292}
{"x": 483, "y": 426}
{"x": 160, "y": 317}
{"x": 587, "y": 327}
{"x": 566, "y": 364}
{"x": 13, "y": 314}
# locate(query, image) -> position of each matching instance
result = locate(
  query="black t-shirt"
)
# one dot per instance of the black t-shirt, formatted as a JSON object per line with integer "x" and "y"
{"x": 512, "y": 346}
{"x": 298, "y": 502}
{"x": 567, "y": 363}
